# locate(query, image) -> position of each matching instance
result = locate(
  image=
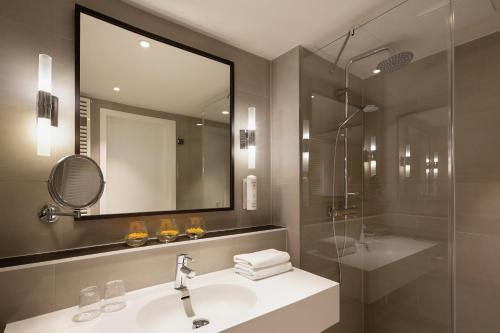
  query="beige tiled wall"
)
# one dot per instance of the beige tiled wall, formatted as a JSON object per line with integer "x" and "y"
{"x": 32, "y": 291}
{"x": 285, "y": 147}
{"x": 28, "y": 28}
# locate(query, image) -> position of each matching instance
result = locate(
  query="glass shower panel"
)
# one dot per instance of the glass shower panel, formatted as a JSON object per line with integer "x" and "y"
{"x": 477, "y": 165}
{"x": 392, "y": 238}
{"x": 322, "y": 111}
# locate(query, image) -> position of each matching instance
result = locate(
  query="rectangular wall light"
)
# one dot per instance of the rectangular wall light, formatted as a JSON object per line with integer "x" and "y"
{"x": 47, "y": 106}
{"x": 247, "y": 138}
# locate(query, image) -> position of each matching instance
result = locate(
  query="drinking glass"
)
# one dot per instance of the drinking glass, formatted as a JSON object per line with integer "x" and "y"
{"x": 88, "y": 305}
{"x": 114, "y": 296}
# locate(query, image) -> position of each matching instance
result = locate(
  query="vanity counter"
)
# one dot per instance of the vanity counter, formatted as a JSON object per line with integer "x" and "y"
{"x": 296, "y": 301}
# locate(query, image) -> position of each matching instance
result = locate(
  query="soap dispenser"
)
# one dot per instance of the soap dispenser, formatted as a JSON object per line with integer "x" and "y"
{"x": 250, "y": 192}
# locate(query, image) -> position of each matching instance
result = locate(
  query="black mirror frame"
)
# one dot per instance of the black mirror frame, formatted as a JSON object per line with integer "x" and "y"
{"x": 83, "y": 10}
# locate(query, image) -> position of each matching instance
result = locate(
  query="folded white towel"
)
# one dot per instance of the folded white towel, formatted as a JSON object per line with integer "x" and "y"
{"x": 258, "y": 274}
{"x": 263, "y": 258}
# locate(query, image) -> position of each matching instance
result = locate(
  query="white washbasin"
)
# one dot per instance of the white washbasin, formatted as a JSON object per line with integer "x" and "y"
{"x": 382, "y": 251}
{"x": 379, "y": 252}
{"x": 292, "y": 302}
{"x": 213, "y": 302}
{"x": 388, "y": 263}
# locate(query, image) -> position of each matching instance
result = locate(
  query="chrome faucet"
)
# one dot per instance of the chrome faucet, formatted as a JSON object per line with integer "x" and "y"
{"x": 182, "y": 271}
{"x": 363, "y": 235}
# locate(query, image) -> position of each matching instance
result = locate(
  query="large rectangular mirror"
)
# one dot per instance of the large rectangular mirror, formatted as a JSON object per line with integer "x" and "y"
{"x": 156, "y": 116}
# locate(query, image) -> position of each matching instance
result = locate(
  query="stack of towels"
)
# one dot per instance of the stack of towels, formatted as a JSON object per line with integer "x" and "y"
{"x": 262, "y": 264}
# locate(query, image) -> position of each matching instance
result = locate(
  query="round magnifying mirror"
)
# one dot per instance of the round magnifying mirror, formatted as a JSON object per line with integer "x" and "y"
{"x": 75, "y": 182}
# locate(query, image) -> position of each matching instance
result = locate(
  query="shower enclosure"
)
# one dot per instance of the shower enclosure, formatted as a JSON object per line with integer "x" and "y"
{"x": 376, "y": 187}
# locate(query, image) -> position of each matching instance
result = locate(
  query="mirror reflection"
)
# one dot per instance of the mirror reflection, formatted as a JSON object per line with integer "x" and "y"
{"x": 156, "y": 118}
{"x": 423, "y": 142}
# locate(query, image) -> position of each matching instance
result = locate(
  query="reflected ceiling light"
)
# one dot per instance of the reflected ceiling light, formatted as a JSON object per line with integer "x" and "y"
{"x": 144, "y": 44}
{"x": 312, "y": 96}
{"x": 116, "y": 88}
{"x": 202, "y": 120}
{"x": 376, "y": 71}
{"x": 225, "y": 112}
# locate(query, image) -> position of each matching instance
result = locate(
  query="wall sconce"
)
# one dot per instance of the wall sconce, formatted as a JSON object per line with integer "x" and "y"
{"x": 247, "y": 138}
{"x": 47, "y": 106}
{"x": 305, "y": 145}
{"x": 436, "y": 161}
{"x": 427, "y": 166}
{"x": 405, "y": 162}
{"x": 434, "y": 165}
{"x": 306, "y": 131}
{"x": 371, "y": 157}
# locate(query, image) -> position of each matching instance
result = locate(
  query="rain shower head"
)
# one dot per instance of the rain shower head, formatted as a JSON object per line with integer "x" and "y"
{"x": 395, "y": 62}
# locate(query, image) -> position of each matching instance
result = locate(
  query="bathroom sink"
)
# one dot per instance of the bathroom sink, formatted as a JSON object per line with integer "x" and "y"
{"x": 387, "y": 262}
{"x": 211, "y": 302}
{"x": 230, "y": 302}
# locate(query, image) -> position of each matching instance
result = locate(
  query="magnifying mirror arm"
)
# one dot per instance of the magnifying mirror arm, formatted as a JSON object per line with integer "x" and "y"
{"x": 50, "y": 213}
{"x": 76, "y": 213}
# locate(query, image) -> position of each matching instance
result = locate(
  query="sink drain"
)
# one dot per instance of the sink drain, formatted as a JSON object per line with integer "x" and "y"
{"x": 197, "y": 323}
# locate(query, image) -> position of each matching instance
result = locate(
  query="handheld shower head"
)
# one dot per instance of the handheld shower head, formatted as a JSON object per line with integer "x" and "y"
{"x": 370, "y": 108}
{"x": 366, "y": 109}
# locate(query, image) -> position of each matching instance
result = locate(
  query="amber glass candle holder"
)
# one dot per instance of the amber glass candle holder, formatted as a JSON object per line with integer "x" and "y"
{"x": 195, "y": 228}
{"x": 137, "y": 234}
{"x": 168, "y": 231}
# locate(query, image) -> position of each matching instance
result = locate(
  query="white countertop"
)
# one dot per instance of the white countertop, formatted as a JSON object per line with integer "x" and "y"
{"x": 271, "y": 294}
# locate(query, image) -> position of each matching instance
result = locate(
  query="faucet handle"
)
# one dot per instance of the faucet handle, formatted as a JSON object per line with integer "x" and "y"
{"x": 183, "y": 258}
{"x": 188, "y": 272}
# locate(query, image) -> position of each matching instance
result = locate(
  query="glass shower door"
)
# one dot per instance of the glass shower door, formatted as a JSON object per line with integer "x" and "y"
{"x": 391, "y": 242}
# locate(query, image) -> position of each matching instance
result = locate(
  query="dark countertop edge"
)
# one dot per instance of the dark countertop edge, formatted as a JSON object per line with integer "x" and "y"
{"x": 98, "y": 249}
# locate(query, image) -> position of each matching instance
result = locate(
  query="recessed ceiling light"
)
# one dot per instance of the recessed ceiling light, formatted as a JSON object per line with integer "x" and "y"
{"x": 312, "y": 96}
{"x": 199, "y": 124}
{"x": 116, "y": 88}
{"x": 225, "y": 112}
{"x": 376, "y": 71}
{"x": 144, "y": 44}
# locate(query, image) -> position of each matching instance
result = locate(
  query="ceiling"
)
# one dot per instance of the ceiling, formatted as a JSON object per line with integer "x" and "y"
{"x": 160, "y": 77}
{"x": 420, "y": 26}
{"x": 267, "y": 28}
{"x": 270, "y": 28}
